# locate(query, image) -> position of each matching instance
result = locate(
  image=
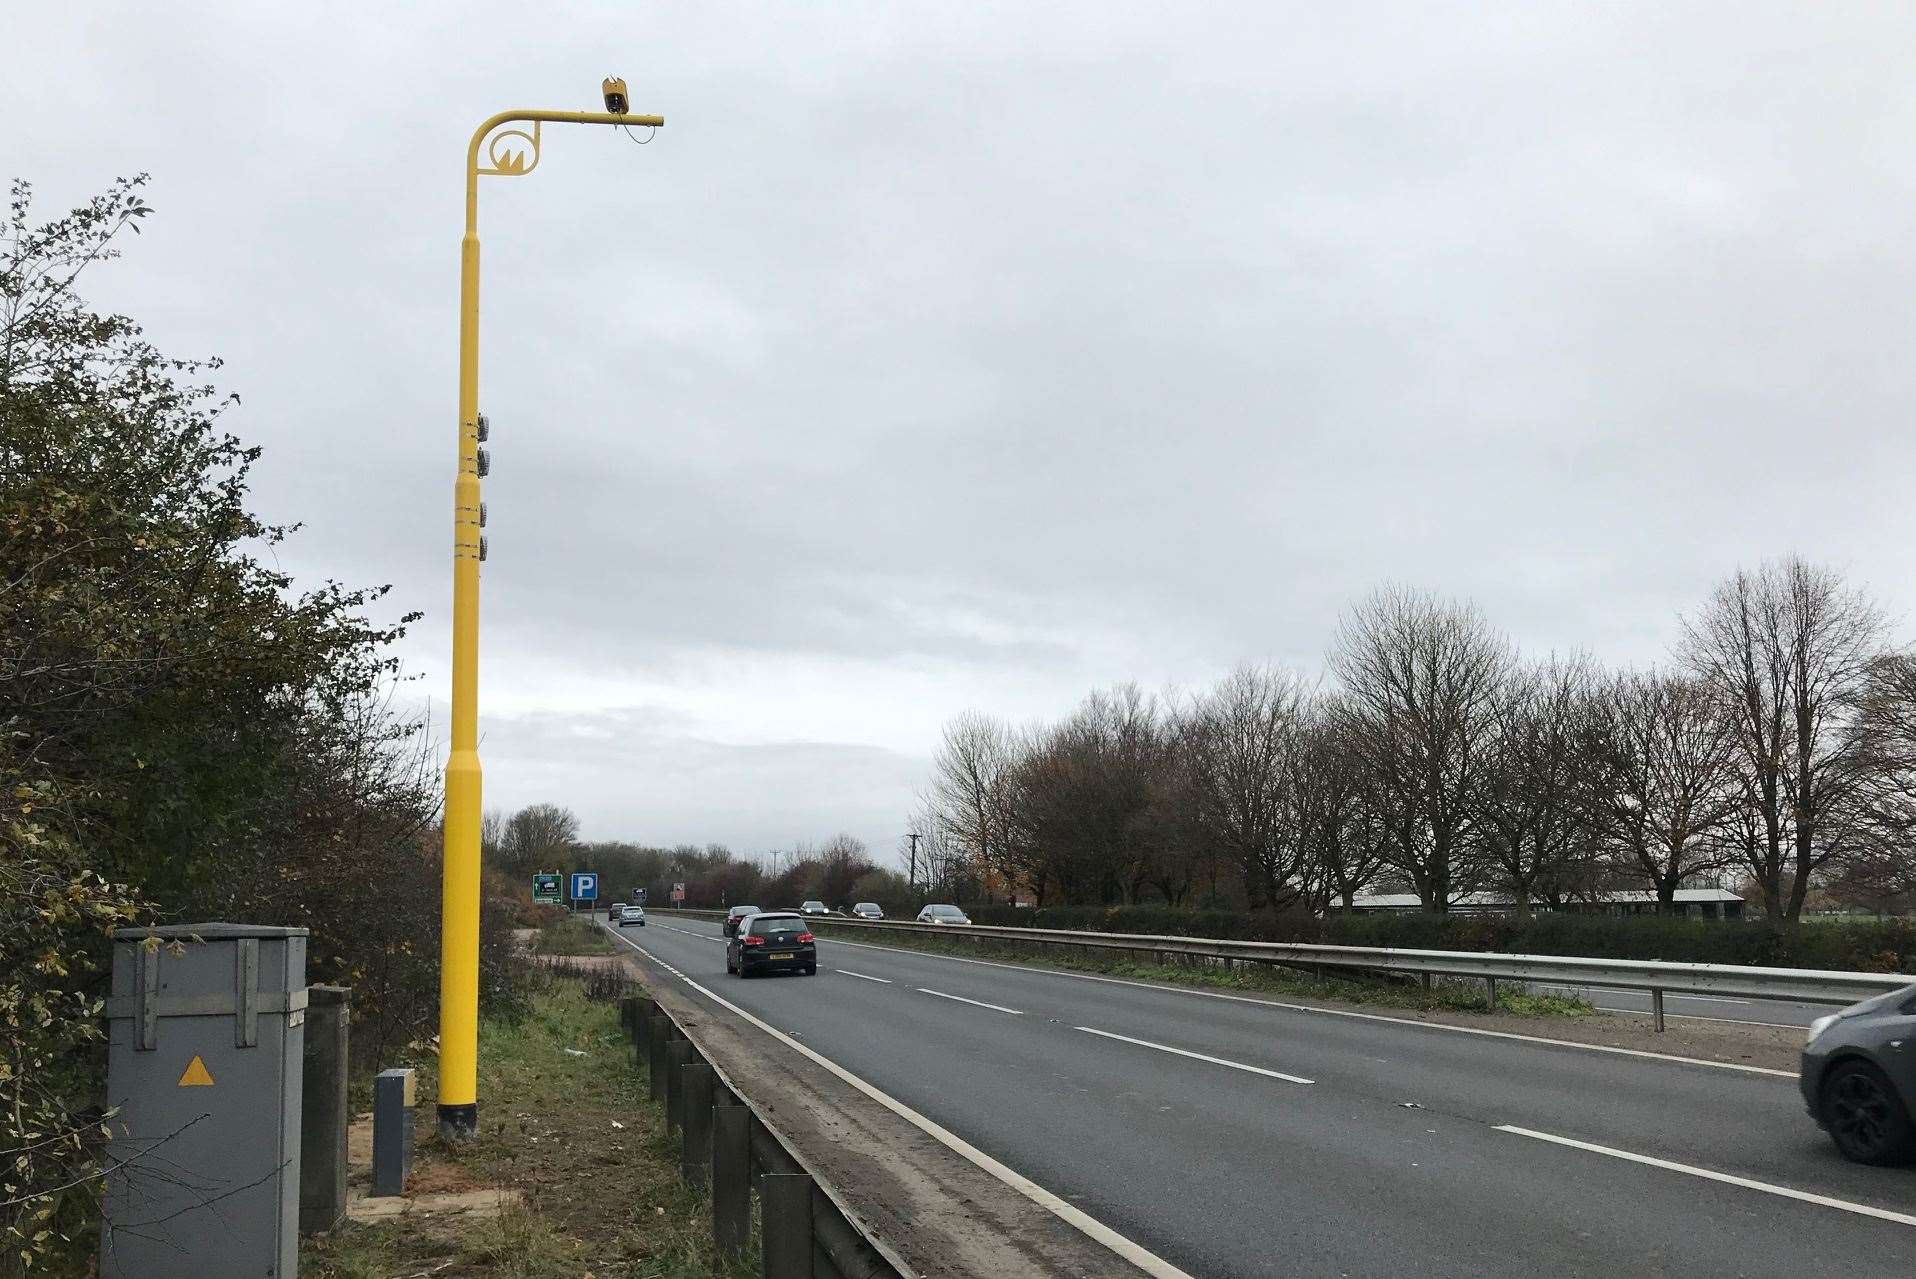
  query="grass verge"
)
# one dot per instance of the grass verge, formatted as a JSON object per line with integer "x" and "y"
{"x": 595, "y": 1200}
{"x": 572, "y": 936}
{"x": 1444, "y": 994}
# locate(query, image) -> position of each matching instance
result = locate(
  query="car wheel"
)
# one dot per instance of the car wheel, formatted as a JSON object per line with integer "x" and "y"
{"x": 1867, "y": 1120}
{"x": 811, "y": 970}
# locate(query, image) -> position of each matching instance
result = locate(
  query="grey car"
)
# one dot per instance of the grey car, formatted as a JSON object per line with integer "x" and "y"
{"x": 1859, "y": 1077}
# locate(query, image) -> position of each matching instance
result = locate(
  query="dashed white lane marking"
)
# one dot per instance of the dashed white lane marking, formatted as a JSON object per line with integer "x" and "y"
{"x": 1136, "y": 1254}
{"x": 1328, "y": 1012}
{"x": 686, "y": 932}
{"x": 1185, "y": 1052}
{"x": 1710, "y": 1175}
{"x": 975, "y": 1003}
{"x": 1336, "y": 1012}
{"x": 861, "y": 976}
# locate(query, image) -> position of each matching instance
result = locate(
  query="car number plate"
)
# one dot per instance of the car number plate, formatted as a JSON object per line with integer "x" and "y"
{"x": 783, "y": 954}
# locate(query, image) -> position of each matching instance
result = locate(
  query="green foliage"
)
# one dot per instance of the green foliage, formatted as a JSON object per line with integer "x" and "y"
{"x": 1887, "y": 945}
{"x": 149, "y": 657}
{"x": 174, "y": 714}
{"x": 55, "y": 919}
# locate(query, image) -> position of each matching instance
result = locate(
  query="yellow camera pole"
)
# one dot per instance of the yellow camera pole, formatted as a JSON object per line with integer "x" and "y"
{"x": 510, "y": 153}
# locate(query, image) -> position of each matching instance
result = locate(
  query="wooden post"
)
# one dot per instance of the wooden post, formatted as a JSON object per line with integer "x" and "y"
{"x": 655, "y": 1062}
{"x": 785, "y": 1200}
{"x": 696, "y": 1119}
{"x": 731, "y": 1179}
{"x": 678, "y": 1054}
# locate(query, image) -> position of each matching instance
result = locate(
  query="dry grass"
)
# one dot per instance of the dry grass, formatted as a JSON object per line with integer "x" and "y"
{"x": 599, "y": 1201}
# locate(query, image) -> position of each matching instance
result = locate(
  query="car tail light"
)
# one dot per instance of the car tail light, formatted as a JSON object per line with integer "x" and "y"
{"x": 803, "y": 938}
{"x": 751, "y": 939}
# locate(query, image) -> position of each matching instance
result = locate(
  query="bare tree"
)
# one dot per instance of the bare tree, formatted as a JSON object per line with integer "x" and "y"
{"x": 1243, "y": 742}
{"x": 971, "y": 802}
{"x": 1882, "y": 871}
{"x": 539, "y": 837}
{"x": 1340, "y": 819}
{"x": 1420, "y": 677}
{"x": 1530, "y": 811}
{"x": 1789, "y": 646}
{"x": 1084, "y": 794}
{"x": 1661, "y": 751}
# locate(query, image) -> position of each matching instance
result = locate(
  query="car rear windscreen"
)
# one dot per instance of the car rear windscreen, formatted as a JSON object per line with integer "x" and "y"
{"x": 779, "y": 926}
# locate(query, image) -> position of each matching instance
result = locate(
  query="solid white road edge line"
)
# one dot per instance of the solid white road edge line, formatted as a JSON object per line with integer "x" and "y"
{"x": 1337, "y": 1012}
{"x": 1784, "y": 1191}
{"x": 975, "y": 1003}
{"x": 1147, "y": 1261}
{"x": 861, "y": 976}
{"x": 1184, "y": 1052}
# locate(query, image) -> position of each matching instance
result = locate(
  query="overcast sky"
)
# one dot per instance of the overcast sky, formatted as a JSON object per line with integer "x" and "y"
{"x": 938, "y": 357}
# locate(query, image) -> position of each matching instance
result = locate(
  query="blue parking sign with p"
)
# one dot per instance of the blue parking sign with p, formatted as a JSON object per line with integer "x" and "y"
{"x": 585, "y": 886}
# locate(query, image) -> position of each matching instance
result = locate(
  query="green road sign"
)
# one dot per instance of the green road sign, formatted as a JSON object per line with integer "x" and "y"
{"x": 545, "y": 888}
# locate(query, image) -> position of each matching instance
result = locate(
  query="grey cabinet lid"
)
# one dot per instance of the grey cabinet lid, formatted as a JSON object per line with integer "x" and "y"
{"x": 206, "y": 932}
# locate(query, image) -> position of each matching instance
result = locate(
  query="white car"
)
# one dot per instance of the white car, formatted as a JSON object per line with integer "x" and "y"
{"x": 942, "y": 915}
{"x": 631, "y": 915}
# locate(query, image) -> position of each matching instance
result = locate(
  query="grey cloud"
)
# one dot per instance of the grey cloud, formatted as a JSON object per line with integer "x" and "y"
{"x": 1019, "y": 348}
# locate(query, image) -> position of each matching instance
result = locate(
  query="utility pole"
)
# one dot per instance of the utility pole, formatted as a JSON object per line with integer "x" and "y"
{"x": 911, "y": 876}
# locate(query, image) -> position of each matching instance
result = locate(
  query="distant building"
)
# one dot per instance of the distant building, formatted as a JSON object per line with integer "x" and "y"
{"x": 1701, "y": 903}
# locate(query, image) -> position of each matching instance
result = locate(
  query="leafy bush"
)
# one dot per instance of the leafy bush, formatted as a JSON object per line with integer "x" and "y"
{"x": 55, "y": 920}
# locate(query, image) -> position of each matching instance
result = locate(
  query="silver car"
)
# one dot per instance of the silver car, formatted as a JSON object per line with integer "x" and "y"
{"x": 941, "y": 914}
{"x": 1859, "y": 1078}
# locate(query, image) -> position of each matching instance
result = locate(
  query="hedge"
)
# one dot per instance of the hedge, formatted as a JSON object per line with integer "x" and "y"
{"x": 1876, "y": 945}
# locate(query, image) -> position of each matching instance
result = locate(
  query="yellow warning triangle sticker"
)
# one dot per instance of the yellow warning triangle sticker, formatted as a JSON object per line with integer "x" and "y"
{"x": 196, "y": 1074}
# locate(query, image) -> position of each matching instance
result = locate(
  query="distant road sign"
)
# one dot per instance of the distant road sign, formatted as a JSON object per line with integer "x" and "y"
{"x": 678, "y": 892}
{"x": 545, "y": 888}
{"x": 585, "y": 886}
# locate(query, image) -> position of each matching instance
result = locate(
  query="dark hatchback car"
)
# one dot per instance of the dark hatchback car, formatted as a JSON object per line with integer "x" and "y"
{"x": 1859, "y": 1077}
{"x": 772, "y": 943}
{"x": 735, "y": 914}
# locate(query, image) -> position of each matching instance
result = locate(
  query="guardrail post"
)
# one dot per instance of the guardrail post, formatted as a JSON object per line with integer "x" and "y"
{"x": 696, "y": 1163}
{"x": 648, "y": 1024}
{"x": 629, "y": 1017}
{"x": 1490, "y": 984}
{"x": 678, "y": 1055}
{"x": 1423, "y": 979}
{"x": 655, "y": 1060}
{"x": 1656, "y": 1008}
{"x": 785, "y": 1198}
{"x": 731, "y": 1179}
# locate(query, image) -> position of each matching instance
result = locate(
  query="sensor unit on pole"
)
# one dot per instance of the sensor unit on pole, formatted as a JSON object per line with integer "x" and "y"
{"x": 484, "y": 428}
{"x": 615, "y": 99}
{"x": 485, "y": 464}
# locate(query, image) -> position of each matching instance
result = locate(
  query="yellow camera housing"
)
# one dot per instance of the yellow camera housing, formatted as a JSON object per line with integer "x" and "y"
{"x": 615, "y": 99}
